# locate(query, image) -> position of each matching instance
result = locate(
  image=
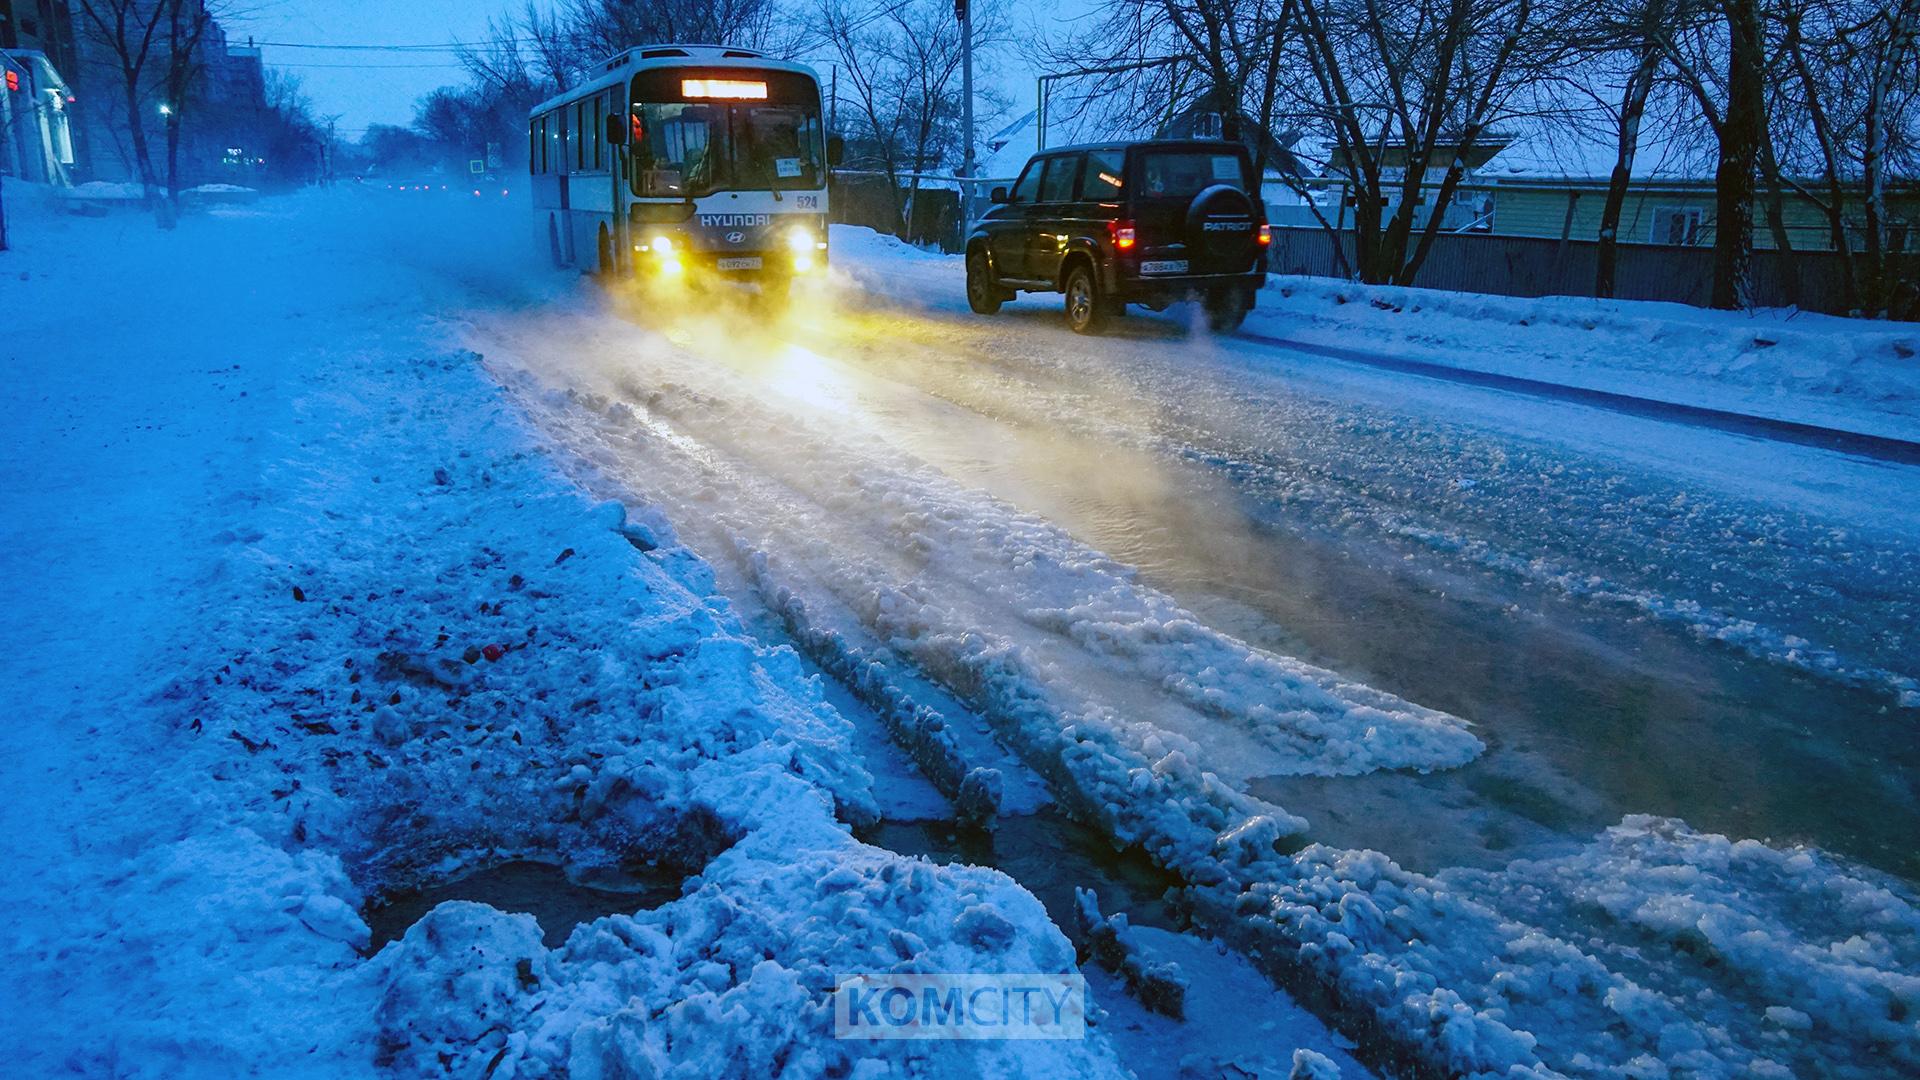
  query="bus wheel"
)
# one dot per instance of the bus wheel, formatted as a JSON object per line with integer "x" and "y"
{"x": 553, "y": 240}
{"x": 608, "y": 269}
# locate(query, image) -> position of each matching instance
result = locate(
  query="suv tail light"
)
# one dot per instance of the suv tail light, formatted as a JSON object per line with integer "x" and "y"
{"x": 1123, "y": 235}
{"x": 1266, "y": 235}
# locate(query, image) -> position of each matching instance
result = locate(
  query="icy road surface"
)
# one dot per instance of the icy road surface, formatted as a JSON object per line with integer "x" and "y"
{"x": 1634, "y": 616}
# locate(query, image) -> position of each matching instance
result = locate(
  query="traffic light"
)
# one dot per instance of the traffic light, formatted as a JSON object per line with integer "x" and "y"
{"x": 960, "y": 10}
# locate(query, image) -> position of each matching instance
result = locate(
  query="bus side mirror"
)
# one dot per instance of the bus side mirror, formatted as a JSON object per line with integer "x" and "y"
{"x": 616, "y": 129}
{"x": 836, "y": 151}
{"x": 997, "y": 195}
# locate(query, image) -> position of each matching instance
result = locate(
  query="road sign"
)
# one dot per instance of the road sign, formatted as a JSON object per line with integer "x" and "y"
{"x": 477, "y": 166}
{"x": 493, "y": 155}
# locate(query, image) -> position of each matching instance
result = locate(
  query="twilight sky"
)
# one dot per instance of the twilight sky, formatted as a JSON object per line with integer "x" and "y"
{"x": 365, "y": 87}
{"x": 380, "y": 87}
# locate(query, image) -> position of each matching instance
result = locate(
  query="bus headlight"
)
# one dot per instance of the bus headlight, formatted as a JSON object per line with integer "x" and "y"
{"x": 664, "y": 256}
{"x": 800, "y": 239}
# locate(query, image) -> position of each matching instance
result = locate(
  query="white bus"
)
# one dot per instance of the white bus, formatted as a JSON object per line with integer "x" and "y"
{"x": 685, "y": 159}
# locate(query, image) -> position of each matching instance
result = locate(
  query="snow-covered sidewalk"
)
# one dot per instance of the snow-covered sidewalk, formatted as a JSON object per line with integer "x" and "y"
{"x": 1848, "y": 375}
{"x": 298, "y": 610}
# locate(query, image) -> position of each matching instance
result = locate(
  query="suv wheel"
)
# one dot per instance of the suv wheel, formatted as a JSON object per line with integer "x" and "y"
{"x": 1086, "y": 308}
{"x": 1227, "y": 309}
{"x": 982, "y": 296}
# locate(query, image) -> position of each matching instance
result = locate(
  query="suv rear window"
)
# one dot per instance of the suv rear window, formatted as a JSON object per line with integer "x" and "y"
{"x": 1102, "y": 179}
{"x": 1182, "y": 173}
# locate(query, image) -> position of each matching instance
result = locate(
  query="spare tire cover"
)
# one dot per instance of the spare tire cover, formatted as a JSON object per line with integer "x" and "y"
{"x": 1221, "y": 231}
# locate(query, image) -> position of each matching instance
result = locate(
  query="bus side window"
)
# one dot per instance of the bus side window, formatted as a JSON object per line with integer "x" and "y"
{"x": 579, "y": 135}
{"x": 533, "y": 146}
{"x": 599, "y": 130}
{"x": 543, "y": 144}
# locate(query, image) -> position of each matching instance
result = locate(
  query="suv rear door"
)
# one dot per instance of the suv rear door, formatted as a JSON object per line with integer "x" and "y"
{"x": 1175, "y": 235}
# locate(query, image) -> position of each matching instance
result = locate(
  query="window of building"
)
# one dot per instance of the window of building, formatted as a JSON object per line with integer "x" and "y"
{"x": 1675, "y": 225}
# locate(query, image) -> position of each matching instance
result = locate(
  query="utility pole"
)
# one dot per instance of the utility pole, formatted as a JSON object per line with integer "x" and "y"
{"x": 961, "y": 12}
{"x": 326, "y": 154}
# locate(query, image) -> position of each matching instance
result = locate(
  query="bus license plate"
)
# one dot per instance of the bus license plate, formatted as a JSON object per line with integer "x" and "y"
{"x": 752, "y": 263}
{"x": 1165, "y": 266}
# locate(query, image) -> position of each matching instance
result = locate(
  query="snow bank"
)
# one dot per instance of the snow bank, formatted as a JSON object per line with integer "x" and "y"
{"x": 107, "y": 191}
{"x": 1653, "y": 948}
{"x": 862, "y": 245}
{"x": 1850, "y": 374}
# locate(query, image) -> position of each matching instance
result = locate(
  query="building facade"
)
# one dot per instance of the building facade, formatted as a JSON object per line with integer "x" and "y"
{"x": 222, "y": 116}
{"x": 38, "y": 138}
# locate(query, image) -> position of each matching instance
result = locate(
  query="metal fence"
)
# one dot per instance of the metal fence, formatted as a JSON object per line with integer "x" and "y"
{"x": 936, "y": 211}
{"x": 1537, "y": 266}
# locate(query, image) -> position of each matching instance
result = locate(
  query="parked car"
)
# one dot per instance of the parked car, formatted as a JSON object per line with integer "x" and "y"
{"x": 1113, "y": 224}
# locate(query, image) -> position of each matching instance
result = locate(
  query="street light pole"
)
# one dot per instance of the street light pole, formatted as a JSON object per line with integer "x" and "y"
{"x": 960, "y": 11}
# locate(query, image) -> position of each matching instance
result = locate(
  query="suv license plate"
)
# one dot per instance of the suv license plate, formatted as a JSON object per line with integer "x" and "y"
{"x": 740, "y": 264}
{"x": 1165, "y": 266}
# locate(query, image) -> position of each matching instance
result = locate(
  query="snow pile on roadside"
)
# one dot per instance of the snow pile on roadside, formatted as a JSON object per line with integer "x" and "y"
{"x": 367, "y": 636}
{"x": 863, "y": 245}
{"x": 1846, "y": 373}
{"x": 731, "y": 980}
{"x": 1653, "y": 948}
{"x": 107, "y": 190}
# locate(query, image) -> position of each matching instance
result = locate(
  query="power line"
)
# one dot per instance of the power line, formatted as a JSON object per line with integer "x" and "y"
{"x": 451, "y": 46}
{"x": 453, "y": 65}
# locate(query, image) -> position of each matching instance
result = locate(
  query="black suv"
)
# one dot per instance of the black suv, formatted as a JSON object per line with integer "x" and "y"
{"x": 1114, "y": 224}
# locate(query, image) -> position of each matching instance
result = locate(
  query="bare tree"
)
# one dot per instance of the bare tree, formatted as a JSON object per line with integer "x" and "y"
{"x": 127, "y": 34}
{"x": 1420, "y": 83}
{"x": 1846, "y": 115}
{"x": 187, "y": 22}
{"x": 1621, "y": 58}
{"x": 900, "y": 63}
{"x": 1743, "y": 128}
{"x": 601, "y": 28}
{"x": 1720, "y": 61}
{"x": 154, "y": 48}
{"x": 532, "y": 51}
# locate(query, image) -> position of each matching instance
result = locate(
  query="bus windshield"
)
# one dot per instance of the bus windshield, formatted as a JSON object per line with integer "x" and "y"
{"x": 686, "y": 149}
